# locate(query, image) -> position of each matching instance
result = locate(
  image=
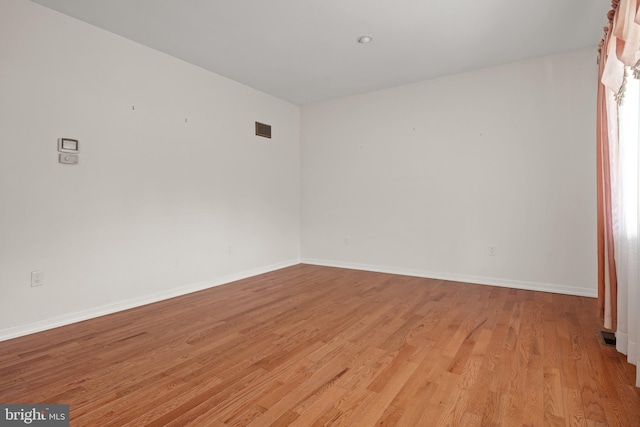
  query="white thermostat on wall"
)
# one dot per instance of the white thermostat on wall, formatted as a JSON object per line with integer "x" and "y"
{"x": 66, "y": 145}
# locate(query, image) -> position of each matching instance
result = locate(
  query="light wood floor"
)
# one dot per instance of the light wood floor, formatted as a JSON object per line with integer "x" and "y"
{"x": 313, "y": 346}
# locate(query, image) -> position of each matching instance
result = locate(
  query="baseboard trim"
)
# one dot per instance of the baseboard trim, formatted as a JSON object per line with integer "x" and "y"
{"x": 490, "y": 281}
{"x": 67, "y": 319}
{"x": 79, "y": 316}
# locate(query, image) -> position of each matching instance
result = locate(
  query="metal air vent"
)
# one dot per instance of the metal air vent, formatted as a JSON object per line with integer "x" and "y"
{"x": 263, "y": 130}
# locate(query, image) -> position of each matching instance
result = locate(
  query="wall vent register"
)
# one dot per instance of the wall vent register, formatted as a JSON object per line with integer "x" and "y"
{"x": 263, "y": 130}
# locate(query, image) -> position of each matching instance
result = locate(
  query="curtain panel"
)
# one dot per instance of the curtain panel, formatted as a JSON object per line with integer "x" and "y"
{"x": 618, "y": 176}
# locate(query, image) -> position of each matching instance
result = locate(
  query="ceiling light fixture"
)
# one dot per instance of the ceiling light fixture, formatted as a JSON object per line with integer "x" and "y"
{"x": 364, "y": 39}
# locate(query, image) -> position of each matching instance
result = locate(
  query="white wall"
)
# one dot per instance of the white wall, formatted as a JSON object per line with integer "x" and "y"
{"x": 420, "y": 178}
{"x": 152, "y": 207}
{"x": 424, "y": 178}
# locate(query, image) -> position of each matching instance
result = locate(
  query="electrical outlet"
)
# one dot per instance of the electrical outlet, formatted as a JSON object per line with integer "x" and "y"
{"x": 37, "y": 278}
{"x": 347, "y": 240}
{"x": 229, "y": 250}
{"x": 492, "y": 251}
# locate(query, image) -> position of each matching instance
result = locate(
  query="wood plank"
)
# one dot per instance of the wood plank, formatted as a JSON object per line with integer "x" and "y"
{"x": 314, "y": 346}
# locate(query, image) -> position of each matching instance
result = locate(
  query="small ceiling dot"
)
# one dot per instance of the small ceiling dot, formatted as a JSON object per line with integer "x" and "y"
{"x": 364, "y": 39}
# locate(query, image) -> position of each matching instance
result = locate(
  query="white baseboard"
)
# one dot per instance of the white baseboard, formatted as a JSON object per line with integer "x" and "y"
{"x": 79, "y": 316}
{"x": 491, "y": 281}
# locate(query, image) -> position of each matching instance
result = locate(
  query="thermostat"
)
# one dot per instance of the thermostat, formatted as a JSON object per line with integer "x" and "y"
{"x": 66, "y": 145}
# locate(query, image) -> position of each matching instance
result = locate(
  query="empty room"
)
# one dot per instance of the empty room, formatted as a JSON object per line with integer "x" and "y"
{"x": 334, "y": 213}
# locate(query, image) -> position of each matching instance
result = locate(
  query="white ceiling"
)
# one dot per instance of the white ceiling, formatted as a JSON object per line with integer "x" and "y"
{"x": 305, "y": 51}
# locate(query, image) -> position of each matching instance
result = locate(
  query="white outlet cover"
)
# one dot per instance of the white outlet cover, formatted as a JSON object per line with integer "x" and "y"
{"x": 37, "y": 278}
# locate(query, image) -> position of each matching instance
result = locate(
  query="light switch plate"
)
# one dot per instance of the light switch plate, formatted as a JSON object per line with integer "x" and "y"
{"x": 68, "y": 159}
